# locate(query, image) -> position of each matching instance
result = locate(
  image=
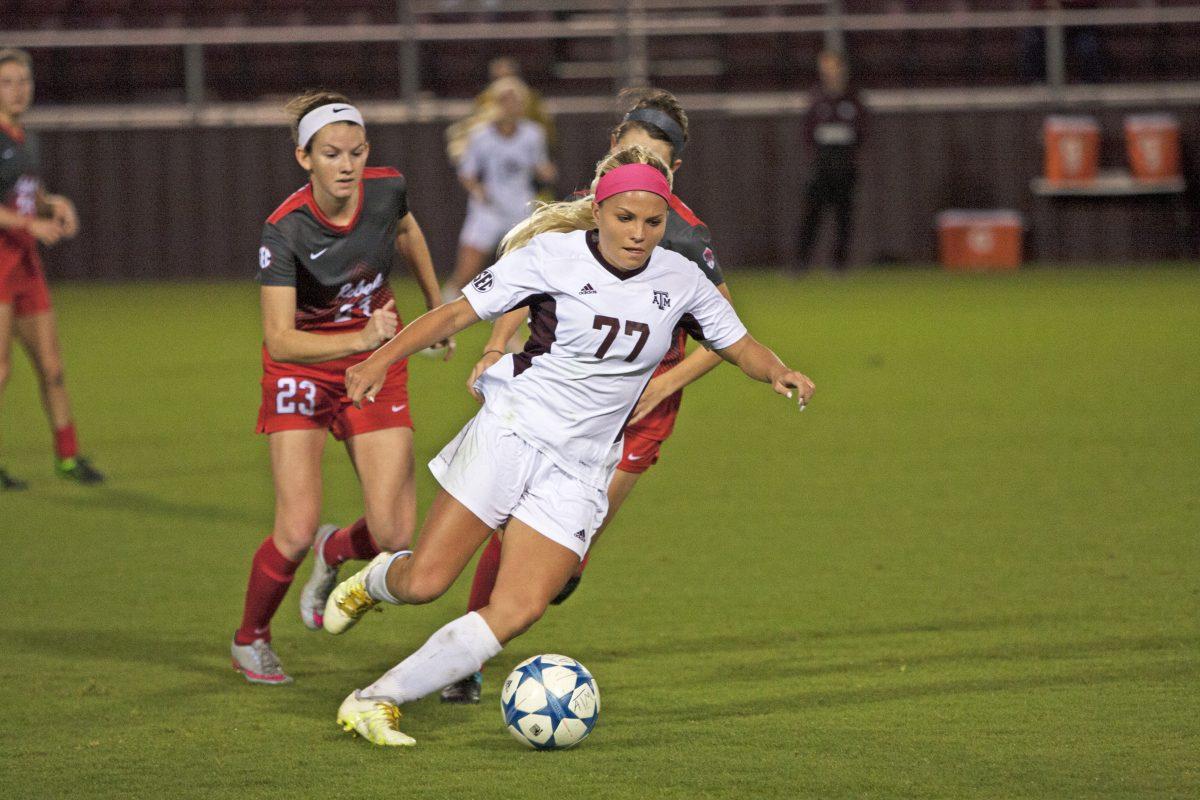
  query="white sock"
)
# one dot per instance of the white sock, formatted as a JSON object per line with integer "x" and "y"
{"x": 456, "y": 650}
{"x": 377, "y": 579}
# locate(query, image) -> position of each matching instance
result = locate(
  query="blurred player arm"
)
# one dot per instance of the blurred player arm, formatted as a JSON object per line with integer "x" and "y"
{"x": 544, "y": 172}
{"x": 470, "y": 170}
{"x": 46, "y": 231}
{"x": 473, "y": 187}
{"x": 363, "y": 380}
{"x": 698, "y": 363}
{"x": 61, "y": 210}
{"x": 286, "y": 344}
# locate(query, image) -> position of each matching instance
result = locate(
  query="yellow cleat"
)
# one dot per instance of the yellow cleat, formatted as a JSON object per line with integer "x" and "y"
{"x": 349, "y": 601}
{"x": 374, "y": 720}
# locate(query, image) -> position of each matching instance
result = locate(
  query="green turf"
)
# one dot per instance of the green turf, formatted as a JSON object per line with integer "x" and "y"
{"x": 970, "y": 569}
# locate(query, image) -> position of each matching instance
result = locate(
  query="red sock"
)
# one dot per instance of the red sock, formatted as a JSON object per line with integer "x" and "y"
{"x": 65, "y": 444}
{"x": 270, "y": 576}
{"x": 485, "y": 575}
{"x": 351, "y": 542}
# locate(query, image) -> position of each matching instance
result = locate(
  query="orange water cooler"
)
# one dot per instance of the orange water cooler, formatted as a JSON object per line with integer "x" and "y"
{"x": 1072, "y": 149}
{"x": 980, "y": 240}
{"x": 1152, "y": 141}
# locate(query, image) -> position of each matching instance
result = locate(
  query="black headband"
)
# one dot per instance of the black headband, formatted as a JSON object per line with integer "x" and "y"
{"x": 662, "y": 121}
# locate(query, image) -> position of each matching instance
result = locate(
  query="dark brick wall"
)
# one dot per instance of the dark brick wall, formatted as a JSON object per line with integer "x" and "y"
{"x": 190, "y": 203}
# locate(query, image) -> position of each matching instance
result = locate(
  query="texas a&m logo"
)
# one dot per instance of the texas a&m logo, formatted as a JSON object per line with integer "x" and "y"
{"x": 661, "y": 299}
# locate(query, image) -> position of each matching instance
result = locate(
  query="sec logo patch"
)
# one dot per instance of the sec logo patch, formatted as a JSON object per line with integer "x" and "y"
{"x": 483, "y": 281}
{"x": 264, "y": 258}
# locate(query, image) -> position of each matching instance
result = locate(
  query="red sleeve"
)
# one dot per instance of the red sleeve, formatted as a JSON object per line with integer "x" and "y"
{"x": 381, "y": 172}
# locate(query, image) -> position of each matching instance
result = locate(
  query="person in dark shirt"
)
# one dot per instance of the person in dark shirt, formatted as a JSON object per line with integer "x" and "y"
{"x": 834, "y": 127}
{"x": 29, "y": 216}
{"x": 324, "y": 264}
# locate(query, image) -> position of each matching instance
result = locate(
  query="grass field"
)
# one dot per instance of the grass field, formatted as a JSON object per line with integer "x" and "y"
{"x": 970, "y": 569}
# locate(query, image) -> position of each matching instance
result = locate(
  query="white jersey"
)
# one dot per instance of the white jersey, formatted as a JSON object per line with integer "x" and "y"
{"x": 596, "y": 335}
{"x": 505, "y": 165}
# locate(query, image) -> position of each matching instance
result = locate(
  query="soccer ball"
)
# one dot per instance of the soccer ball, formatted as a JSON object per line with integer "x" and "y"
{"x": 550, "y": 702}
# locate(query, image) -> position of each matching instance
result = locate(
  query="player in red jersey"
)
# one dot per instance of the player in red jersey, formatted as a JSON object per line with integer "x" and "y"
{"x": 29, "y": 215}
{"x": 324, "y": 263}
{"x": 656, "y": 121}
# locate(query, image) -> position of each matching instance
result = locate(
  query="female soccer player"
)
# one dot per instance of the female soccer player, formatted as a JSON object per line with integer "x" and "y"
{"x": 656, "y": 121}
{"x": 324, "y": 263}
{"x": 539, "y": 455}
{"x": 500, "y": 170}
{"x": 28, "y": 215}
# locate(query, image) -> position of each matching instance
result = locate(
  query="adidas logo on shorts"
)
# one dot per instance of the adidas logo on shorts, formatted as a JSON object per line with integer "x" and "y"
{"x": 581, "y": 535}
{"x": 587, "y": 289}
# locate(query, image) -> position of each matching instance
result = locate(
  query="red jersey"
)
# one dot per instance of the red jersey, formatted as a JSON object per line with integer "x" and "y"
{"x": 340, "y": 272}
{"x": 687, "y": 235}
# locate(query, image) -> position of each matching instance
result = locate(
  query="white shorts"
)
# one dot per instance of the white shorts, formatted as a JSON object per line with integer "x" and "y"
{"x": 486, "y": 225}
{"x": 496, "y": 474}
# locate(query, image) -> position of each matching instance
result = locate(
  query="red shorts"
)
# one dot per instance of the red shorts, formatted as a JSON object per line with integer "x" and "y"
{"x": 644, "y": 439}
{"x": 22, "y": 282}
{"x": 313, "y": 396}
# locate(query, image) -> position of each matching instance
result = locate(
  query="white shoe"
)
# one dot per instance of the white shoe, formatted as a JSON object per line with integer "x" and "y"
{"x": 349, "y": 601}
{"x": 374, "y": 720}
{"x": 320, "y": 583}
{"x": 258, "y": 663}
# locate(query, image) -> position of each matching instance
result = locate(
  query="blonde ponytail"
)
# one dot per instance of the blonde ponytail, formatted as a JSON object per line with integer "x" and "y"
{"x": 576, "y": 215}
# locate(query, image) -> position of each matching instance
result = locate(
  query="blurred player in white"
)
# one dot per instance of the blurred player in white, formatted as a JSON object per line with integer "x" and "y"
{"x": 28, "y": 216}
{"x": 324, "y": 263}
{"x": 501, "y": 169}
{"x": 604, "y": 303}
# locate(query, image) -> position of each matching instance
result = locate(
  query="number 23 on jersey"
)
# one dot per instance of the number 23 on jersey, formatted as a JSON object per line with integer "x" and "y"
{"x": 296, "y": 397}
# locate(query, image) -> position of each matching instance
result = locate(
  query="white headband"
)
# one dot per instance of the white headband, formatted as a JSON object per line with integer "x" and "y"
{"x": 321, "y": 116}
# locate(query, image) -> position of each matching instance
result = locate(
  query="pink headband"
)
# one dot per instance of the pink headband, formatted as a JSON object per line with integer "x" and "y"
{"x": 633, "y": 178}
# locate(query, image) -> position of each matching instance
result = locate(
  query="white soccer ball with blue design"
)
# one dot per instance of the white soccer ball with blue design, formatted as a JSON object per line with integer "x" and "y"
{"x": 550, "y": 702}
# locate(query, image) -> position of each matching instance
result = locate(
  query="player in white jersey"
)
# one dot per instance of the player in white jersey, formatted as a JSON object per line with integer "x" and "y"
{"x": 540, "y": 454}
{"x": 500, "y": 170}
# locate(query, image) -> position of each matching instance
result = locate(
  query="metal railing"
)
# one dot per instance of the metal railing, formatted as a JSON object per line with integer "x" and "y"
{"x": 630, "y": 24}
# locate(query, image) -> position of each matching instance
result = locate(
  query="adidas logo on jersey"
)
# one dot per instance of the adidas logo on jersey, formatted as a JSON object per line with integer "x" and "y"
{"x": 587, "y": 289}
{"x": 582, "y": 535}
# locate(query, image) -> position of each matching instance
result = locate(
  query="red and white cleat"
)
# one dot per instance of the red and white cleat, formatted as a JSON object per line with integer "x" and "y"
{"x": 320, "y": 583}
{"x": 258, "y": 662}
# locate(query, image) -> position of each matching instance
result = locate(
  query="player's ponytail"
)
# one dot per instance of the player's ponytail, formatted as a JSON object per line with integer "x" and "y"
{"x": 576, "y": 215}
